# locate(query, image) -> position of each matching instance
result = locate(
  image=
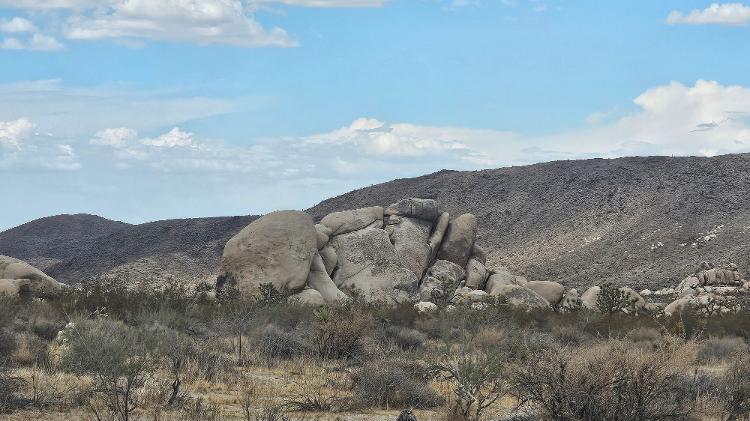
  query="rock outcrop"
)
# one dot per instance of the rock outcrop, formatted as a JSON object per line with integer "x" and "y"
{"x": 18, "y": 277}
{"x": 277, "y": 248}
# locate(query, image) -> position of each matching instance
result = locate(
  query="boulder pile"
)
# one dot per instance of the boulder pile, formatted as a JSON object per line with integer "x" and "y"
{"x": 18, "y": 277}
{"x": 410, "y": 251}
{"x": 710, "y": 289}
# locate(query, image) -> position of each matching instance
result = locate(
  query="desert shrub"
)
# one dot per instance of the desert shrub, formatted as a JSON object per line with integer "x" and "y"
{"x": 406, "y": 338}
{"x": 275, "y": 343}
{"x": 337, "y": 333}
{"x": 610, "y": 381}
{"x": 719, "y": 349}
{"x": 9, "y": 384}
{"x": 274, "y": 413}
{"x": 318, "y": 391}
{"x": 645, "y": 335}
{"x": 392, "y": 384}
{"x": 199, "y": 410}
{"x": 612, "y": 300}
{"x": 117, "y": 356}
{"x": 478, "y": 376}
{"x": 46, "y": 329}
{"x": 734, "y": 392}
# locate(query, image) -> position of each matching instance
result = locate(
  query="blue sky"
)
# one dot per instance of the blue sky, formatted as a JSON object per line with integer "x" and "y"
{"x": 139, "y": 110}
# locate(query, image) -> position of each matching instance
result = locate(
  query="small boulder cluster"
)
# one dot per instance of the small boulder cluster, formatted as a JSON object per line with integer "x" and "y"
{"x": 20, "y": 278}
{"x": 710, "y": 289}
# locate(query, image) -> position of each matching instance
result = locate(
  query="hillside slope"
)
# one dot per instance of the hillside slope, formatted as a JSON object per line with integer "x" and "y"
{"x": 637, "y": 221}
{"x": 183, "y": 249}
{"x": 645, "y": 222}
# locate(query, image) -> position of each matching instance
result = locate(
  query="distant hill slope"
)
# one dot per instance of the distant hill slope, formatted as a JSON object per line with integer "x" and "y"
{"x": 638, "y": 221}
{"x": 645, "y": 222}
{"x": 184, "y": 249}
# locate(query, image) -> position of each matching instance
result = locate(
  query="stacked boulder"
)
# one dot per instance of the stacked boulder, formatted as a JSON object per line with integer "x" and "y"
{"x": 409, "y": 251}
{"x": 18, "y": 278}
{"x": 709, "y": 290}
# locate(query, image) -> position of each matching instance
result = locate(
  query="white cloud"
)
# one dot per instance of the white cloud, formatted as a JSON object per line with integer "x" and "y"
{"x": 17, "y": 24}
{"x": 12, "y": 133}
{"x": 37, "y": 42}
{"x": 175, "y": 138}
{"x": 12, "y": 44}
{"x": 115, "y": 137}
{"x": 328, "y": 3}
{"x": 227, "y": 22}
{"x": 716, "y": 13}
{"x": 78, "y": 112}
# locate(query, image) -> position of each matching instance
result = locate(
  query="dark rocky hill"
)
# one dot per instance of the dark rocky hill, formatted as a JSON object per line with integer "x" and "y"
{"x": 639, "y": 221}
{"x": 645, "y": 222}
{"x": 184, "y": 249}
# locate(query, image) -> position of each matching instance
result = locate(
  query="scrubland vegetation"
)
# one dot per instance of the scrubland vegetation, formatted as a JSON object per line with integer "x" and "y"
{"x": 183, "y": 355}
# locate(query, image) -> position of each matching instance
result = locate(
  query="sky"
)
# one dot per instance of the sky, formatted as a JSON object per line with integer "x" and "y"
{"x": 140, "y": 110}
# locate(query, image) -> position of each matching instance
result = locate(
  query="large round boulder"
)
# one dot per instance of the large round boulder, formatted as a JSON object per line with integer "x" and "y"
{"x": 476, "y": 274}
{"x": 550, "y": 291}
{"x": 500, "y": 276}
{"x": 21, "y": 276}
{"x": 518, "y": 296}
{"x": 278, "y": 248}
{"x": 459, "y": 239}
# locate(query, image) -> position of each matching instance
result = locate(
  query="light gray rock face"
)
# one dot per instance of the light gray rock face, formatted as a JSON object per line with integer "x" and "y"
{"x": 323, "y": 233}
{"x": 319, "y": 280}
{"x": 353, "y": 220}
{"x": 368, "y": 263}
{"x": 632, "y": 295}
{"x": 278, "y": 248}
{"x": 519, "y": 296}
{"x": 438, "y": 233}
{"x": 477, "y": 252}
{"x": 550, "y": 291}
{"x": 21, "y": 276}
{"x": 476, "y": 274}
{"x": 677, "y": 306}
{"x": 410, "y": 237}
{"x": 308, "y": 297}
{"x": 425, "y": 209}
{"x": 467, "y": 295}
{"x": 500, "y": 276}
{"x": 459, "y": 239}
{"x": 571, "y": 301}
{"x": 330, "y": 259}
{"x": 441, "y": 279}
{"x": 589, "y": 298}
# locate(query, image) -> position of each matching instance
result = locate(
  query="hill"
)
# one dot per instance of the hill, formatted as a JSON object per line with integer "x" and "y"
{"x": 645, "y": 222}
{"x": 638, "y": 221}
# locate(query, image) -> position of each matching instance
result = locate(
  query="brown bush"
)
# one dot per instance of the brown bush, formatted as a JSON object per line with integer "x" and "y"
{"x": 610, "y": 381}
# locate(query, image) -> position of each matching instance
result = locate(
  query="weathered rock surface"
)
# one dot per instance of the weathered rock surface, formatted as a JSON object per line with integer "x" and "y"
{"x": 571, "y": 301}
{"x": 476, "y": 274}
{"x": 550, "y": 291}
{"x": 330, "y": 258}
{"x": 308, "y": 297}
{"x": 519, "y": 296}
{"x": 18, "y": 276}
{"x": 426, "y": 209}
{"x": 499, "y": 276}
{"x": 590, "y": 296}
{"x": 368, "y": 263}
{"x": 319, "y": 280}
{"x": 353, "y": 220}
{"x": 410, "y": 237}
{"x": 438, "y": 233}
{"x": 459, "y": 239}
{"x": 277, "y": 248}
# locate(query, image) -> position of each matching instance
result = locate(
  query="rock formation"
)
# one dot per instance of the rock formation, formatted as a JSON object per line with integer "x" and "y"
{"x": 18, "y": 277}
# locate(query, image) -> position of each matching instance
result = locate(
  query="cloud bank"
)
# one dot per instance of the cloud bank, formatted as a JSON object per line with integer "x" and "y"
{"x": 736, "y": 14}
